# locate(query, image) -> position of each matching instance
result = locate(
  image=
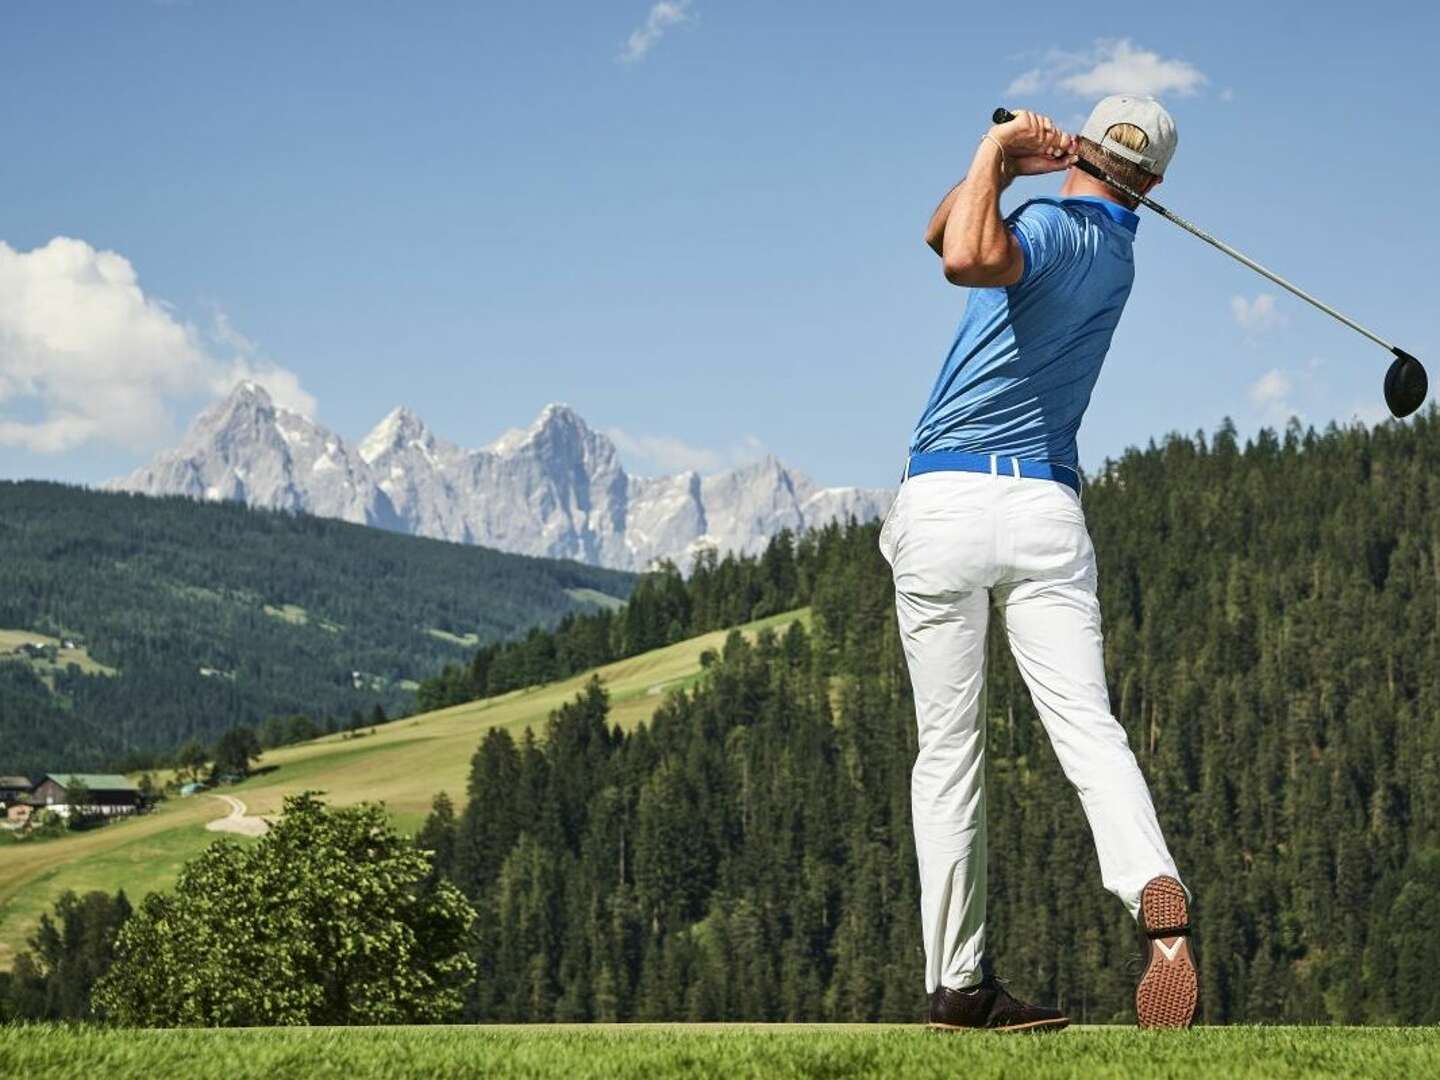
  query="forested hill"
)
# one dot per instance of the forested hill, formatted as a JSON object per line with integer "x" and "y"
{"x": 1273, "y": 645}
{"x": 189, "y": 618}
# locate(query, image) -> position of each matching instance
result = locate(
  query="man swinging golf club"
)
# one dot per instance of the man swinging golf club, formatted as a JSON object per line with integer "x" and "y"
{"x": 989, "y": 512}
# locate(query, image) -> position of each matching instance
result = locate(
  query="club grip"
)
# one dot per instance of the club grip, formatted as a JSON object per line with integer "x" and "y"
{"x": 1001, "y": 115}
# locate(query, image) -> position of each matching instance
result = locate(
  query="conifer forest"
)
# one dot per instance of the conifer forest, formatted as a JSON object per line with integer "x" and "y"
{"x": 1273, "y": 650}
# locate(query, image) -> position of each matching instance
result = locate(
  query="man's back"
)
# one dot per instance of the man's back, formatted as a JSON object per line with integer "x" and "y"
{"x": 1025, "y": 359}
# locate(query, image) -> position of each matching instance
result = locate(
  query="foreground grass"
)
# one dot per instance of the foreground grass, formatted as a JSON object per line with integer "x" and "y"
{"x": 402, "y": 764}
{"x": 701, "y": 1050}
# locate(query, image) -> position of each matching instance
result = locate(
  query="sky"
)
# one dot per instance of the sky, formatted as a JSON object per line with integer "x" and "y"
{"x": 698, "y": 222}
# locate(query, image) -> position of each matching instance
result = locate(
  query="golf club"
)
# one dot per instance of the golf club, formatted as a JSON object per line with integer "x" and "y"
{"x": 1405, "y": 383}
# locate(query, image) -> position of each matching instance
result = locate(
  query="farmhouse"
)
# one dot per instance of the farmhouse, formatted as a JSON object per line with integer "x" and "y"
{"x": 14, "y": 788}
{"x": 109, "y": 794}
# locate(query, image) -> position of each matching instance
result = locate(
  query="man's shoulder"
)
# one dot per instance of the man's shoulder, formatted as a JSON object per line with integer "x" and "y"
{"x": 1041, "y": 206}
{"x": 1046, "y": 213}
{"x": 1047, "y": 234}
{"x": 1058, "y": 235}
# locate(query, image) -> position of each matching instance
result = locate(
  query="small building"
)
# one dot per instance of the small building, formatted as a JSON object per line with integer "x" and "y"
{"x": 192, "y": 788}
{"x": 14, "y": 788}
{"x": 111, "y": 795}
{"x": 18, "y": 814}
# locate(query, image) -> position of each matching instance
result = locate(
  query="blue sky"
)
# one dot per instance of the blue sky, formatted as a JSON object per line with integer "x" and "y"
{"x": 698, "y": 223}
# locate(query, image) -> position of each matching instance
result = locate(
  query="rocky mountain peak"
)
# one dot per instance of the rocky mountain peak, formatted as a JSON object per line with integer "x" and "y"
{"x": 557, "y": 424}
{"x": 245, "y": 415}
{"x": 557, "y": 413}
{"x": 769, "y": 465}
{"x": 556, "y": 488}
{"x": 560, "y": 432}
{"x": 246, "y": 397}
{"x": 400, "y": 428}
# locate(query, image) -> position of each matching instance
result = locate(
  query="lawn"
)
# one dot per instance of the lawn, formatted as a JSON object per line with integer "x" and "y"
{"x": 402, "y": 764}
{"x": 701, "y": 1050}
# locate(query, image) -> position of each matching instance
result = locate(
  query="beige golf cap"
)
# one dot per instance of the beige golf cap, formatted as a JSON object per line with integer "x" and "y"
{"x": 1145, "y": 113}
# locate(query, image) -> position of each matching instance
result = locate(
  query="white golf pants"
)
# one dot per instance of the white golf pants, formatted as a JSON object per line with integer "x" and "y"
{"x": 956, "y": 541}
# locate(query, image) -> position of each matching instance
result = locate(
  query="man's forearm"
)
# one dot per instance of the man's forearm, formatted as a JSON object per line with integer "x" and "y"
{"x": 935, "y": 229}
{"x": 975, "y": 238}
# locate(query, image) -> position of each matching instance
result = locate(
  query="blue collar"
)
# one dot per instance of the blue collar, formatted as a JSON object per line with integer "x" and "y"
{"x": 1121, "y": 216}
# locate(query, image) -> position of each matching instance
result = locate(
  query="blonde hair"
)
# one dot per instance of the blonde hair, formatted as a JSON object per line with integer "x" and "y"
{"x": 1123, "y": 170}
{"x": 1128, "y": 136}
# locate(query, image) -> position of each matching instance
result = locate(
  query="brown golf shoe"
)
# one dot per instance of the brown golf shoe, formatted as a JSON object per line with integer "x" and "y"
{"x": 989, "y": 1007}
{"x": 1169, "y": 989}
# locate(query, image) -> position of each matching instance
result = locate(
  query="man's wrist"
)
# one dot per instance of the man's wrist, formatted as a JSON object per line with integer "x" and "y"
{"x": 996, "y": 149}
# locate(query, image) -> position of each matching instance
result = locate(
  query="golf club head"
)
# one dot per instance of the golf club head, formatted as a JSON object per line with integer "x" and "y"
{"x": 1405, "y": 384}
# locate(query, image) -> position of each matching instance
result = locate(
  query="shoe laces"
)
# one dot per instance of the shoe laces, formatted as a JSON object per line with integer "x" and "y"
{"x": 1000, "y": 986}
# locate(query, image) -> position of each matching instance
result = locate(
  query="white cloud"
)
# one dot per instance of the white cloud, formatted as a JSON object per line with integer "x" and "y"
{"x": 1027, "y": 83}
{"x": 1109, "y": 67}
{"x": 90, "y": 359}
{"x": 662, "y": 455}
{"x": 1281, "y": 393}
{"x": 1271, "y": 388}
{"x": 1257, "y": 314}
{"x": 663, "y": 15}
{"x": 1119, "y": 67}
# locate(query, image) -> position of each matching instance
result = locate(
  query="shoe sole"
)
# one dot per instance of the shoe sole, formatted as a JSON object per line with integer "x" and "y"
{"x": 1036, "y": 1026}
{"x": 1170, "y": 988}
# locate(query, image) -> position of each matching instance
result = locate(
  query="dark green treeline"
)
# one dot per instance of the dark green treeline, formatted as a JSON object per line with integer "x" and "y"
{"x": 1272, "y": 643}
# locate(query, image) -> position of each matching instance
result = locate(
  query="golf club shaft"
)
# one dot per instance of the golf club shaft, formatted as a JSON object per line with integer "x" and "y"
{"x": 1004, "y": 116}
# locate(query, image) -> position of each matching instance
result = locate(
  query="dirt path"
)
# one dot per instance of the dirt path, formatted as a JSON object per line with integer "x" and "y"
{"x": 237, "y": 821}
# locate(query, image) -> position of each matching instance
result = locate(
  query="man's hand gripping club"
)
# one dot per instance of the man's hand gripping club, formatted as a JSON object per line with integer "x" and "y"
{"x": 966, "y": 230}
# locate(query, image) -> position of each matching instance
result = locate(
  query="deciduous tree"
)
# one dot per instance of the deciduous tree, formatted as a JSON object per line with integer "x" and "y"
{"x": 323, "y": 921}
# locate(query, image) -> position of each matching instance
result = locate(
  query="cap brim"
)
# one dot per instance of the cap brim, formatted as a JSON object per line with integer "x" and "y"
{"x": 1133, "y": 156}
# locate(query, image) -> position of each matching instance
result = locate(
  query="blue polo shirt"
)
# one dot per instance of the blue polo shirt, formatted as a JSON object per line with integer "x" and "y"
{"x": 1018, "y": 377}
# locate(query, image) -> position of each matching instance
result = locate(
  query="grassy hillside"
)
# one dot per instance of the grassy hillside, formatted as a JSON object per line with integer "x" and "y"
{"x": 894, "y": 1052}
{"x": 187, "y": 618}
{"x": 403, "y": 763}
{"x": 13, "y": 642}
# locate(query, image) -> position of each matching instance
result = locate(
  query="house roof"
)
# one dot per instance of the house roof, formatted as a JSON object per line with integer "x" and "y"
{"x": 16, "y": 782}
{"x": 94, "y": 781}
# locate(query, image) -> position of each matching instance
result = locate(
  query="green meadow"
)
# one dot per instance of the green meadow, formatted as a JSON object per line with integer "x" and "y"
{"x": 716, "y": 1050}
{"x": 402, "y": 764}
{"x": 11, "y": 640}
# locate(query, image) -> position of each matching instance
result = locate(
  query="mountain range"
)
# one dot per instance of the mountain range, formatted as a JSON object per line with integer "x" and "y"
{"x": 555, "y": 489}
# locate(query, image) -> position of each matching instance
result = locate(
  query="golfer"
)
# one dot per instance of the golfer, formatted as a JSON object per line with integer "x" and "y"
{"x": 989, "y": 513}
